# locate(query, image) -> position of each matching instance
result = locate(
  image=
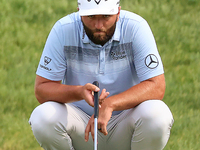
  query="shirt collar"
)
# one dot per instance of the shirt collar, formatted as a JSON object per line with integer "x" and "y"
{"x": 84, "y": 36}
{"x": 116, "y": 35}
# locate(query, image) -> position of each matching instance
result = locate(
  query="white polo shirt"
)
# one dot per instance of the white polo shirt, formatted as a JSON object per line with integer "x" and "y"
{"x": 131, "y": 56}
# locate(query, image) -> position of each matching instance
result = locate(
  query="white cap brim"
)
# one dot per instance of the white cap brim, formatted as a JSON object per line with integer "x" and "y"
{"x": 89, "y": 12}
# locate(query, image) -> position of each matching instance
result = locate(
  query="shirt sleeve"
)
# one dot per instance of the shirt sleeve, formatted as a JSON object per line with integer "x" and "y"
{"x": 52, "y": 63}
{"x": 147, "y": 60}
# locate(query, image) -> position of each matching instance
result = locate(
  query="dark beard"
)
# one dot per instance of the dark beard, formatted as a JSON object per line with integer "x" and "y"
{"x": 100, "y": 39}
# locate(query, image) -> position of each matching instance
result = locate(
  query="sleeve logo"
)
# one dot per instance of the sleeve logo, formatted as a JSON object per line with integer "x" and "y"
{"x": 47, "y": 60}
{"x": 151, "y": 61}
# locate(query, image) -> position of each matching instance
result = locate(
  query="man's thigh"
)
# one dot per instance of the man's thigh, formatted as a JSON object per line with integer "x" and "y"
{"x": 146, "y": 127}
{"x": 77, "y": 122}
{"x": 60, "y": 126}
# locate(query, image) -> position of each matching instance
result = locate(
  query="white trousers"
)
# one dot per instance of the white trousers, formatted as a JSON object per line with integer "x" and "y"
{"x": 62, "y": 127}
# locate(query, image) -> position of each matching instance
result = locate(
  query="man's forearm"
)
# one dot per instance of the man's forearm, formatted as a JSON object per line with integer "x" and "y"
{"x": 57, "y": 92}
{"x": 47, "y": 90}
{"x": 150, "y": 89}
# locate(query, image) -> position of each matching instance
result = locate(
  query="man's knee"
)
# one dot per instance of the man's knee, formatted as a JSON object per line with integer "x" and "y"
{"x": 45, "y": 119}
{"x": 153, "y": 121}
{"x": 155, "y": 116}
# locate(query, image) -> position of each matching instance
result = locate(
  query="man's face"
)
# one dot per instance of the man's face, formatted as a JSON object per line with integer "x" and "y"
{"x": 100, "y": 28}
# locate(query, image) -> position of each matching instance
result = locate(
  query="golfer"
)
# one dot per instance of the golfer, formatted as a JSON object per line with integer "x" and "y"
{"x": 115, "y": 47}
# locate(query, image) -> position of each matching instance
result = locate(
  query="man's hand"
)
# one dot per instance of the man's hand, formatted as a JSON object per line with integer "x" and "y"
{"x": 103, "y": 118}
{"x": 87, "y": 93}
{"x": 105, "y": 114}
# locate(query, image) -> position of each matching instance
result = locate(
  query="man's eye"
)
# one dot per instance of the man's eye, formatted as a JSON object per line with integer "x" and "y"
{"x": 91, "y": 16}
{"x": 106, "y": 16}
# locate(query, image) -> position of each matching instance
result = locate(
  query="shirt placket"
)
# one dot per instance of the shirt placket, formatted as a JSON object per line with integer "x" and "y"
{"x": 102, "y": 61}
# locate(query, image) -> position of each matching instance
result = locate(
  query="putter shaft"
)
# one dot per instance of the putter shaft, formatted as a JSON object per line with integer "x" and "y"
{"x": 96, "y": 114}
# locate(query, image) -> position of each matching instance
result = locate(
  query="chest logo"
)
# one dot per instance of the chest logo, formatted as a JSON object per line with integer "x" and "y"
{"x": 118, "y": 55}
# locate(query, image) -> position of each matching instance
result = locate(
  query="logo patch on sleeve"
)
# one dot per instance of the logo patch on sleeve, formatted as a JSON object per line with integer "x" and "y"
{"x": 47, "y": 60}
{"x": 151, "y": 61}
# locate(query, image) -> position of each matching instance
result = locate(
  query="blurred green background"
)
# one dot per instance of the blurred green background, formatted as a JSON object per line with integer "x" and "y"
{"x": 24, "y": 27}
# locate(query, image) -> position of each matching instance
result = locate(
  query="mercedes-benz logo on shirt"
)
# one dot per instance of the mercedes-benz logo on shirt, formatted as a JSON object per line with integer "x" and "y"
{"x": 151, "y": 61}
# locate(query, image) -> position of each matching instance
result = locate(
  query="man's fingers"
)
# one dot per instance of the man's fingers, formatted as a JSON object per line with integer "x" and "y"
{"x": 92, "y": 131}
{"x": 87, "y": 131}
{"x": 87, "y": 93}
{"x": 92, "y": 87}
{"x": 104, "y": 130}
{"x": 89, "y": 128}
{"x": 103, "y": 96}
{"x": 99, "y": 127}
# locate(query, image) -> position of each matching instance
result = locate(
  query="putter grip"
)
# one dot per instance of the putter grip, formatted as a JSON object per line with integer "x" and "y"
{"x": 96, "y": 101}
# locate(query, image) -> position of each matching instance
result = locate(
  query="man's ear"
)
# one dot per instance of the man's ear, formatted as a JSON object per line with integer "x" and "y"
{"x": 77, "y": 8}
{"x": 118, "y": 13}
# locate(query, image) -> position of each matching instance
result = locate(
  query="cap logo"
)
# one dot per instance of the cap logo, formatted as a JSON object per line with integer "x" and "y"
{"x": 97, "y": 1}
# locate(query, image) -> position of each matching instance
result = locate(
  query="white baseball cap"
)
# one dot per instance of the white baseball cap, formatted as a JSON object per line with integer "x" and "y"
{"x": 98, "y": 7}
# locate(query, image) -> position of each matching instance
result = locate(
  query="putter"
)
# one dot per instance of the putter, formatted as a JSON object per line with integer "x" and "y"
{"x": 96, "y": 114}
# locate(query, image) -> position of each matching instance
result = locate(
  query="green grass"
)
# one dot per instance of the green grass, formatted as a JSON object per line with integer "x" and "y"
{"x": 24, "y": 27}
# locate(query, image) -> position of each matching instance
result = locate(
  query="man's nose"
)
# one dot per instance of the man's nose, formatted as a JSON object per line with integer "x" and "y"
{"x": 98, "y": 23}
